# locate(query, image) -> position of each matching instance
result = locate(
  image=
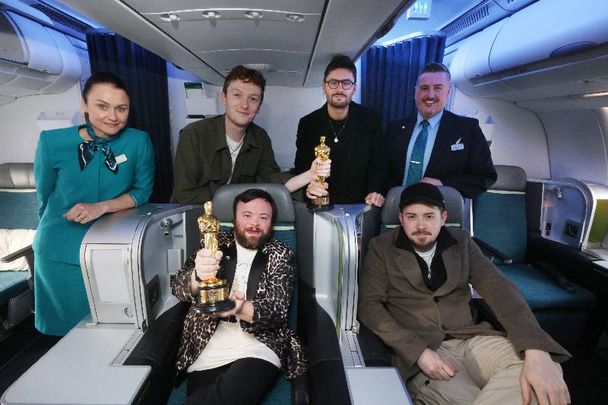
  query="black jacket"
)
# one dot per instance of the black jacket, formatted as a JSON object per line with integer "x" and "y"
{"x": 358, "y": 163}
{"x": 469, "y": 168}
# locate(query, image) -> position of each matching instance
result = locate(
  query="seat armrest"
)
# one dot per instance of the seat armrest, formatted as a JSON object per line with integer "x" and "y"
{"x": 555, "y": 274}
{"x": 326, "y": 374}
{"x": 23, "y": 252}
{"x": 492, "y": 253}
{"x": 157, "y": 348}
{"x": 375, "y": 352}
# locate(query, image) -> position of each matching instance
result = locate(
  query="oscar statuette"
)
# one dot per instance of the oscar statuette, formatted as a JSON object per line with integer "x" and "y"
{"x": 213, "y": 291}
{"x": 321, "y": 203}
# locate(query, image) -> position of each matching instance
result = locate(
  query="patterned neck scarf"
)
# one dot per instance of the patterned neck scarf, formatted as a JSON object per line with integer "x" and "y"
{"x": 87, "y": 149}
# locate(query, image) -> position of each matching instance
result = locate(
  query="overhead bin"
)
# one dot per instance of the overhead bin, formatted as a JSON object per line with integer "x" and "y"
{"x": 40, "y": 51}
{"x": 34, "y": 59}
{"x": 549, "y": 28}
{"x": 539, "y": 38}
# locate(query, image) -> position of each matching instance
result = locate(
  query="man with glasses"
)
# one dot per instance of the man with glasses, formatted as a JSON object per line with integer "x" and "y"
{"x": 435, "y": 146}
{"x": 358, "y": 168}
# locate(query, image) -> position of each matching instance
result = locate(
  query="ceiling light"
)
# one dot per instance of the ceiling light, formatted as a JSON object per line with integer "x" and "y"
{"x": 258, "y": 66}
{"x": 169, "y": 17}
{"x": 599, "y": 94}
{"x": 211, "y": 14}
{"x": 296, "y": 18}
{"x": 253, "y": 14}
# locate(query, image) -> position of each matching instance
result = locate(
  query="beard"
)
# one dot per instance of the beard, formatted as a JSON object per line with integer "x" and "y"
{"x": 345, "y": 101}
{"x": 422, "y": 241}
{"x": 251, "y": 242}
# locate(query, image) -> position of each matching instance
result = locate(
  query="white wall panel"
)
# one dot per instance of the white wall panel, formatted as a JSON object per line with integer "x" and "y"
{"x": 577, "y": 144}
{"x": 19, "y": 131}
{"x": 517, "y": 135}
{"x": 282, "y": 109}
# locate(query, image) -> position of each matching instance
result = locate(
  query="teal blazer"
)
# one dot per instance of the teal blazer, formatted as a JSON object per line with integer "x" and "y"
{"x": 61, "y": 184}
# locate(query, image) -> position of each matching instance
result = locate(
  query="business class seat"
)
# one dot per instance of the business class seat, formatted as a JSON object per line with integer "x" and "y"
{"x": 374, "y": 350}
{"x": 499, "y": 222}
{"x": 283, "y": 391}
{"x": 454, "y": 205}
{"x": 18, "y": 221}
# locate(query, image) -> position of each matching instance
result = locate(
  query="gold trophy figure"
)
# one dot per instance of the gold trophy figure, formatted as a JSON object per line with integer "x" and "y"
{"x": 213, "y": 292}
{"x": 321, "y": 203}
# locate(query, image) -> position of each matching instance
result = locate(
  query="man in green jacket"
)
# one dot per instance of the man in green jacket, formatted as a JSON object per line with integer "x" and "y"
{"x": 230, "y": 148}
{"x": 414, "y": 294}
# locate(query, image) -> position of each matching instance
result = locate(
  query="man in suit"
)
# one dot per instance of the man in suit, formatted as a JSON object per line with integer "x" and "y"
{"x": 414, "y": 294}
{"x": 234, "y": 357}
{"x": 353, "y": 133}
{"x": 436, "y": 146}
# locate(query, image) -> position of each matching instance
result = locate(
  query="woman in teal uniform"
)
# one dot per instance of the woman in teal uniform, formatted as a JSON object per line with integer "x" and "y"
{"x": 82, "y": 173}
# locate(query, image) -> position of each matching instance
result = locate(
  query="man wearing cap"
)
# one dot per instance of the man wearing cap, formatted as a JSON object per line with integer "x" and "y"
{"x": 414, "y": 294}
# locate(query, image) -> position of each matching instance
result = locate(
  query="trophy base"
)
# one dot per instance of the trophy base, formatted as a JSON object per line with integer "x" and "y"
{"x": 319, "y": 207}
{"x": 213, "y": 307}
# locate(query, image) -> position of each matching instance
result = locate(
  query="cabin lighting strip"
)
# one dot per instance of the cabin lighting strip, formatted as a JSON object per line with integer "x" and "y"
{"x": 253, "y": 14}
{"x": 213, "y": 14}
{"x": 169, "y": 17}
{"x": 599, "y": 94}
{"x": 506, "y": 192}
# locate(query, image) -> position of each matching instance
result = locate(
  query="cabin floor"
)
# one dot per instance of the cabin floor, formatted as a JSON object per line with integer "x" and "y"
{"x": 20, "y": 349}
{"x": 586, "y": 373}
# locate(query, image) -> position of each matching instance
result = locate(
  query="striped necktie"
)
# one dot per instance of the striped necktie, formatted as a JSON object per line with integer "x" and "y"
{"x": 414, "y": 171}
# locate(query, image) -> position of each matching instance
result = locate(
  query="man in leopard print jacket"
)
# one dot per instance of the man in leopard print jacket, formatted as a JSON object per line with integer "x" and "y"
{"x": 235, "y": 356}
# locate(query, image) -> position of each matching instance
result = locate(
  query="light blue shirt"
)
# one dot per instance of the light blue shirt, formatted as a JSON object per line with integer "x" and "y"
{"x": 430, "y": 140}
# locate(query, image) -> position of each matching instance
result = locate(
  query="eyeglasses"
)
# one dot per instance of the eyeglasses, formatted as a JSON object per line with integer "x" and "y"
{"x": 346, "y": 84}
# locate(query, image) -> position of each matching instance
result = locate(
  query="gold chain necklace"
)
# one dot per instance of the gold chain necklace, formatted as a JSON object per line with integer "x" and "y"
{"x": 337, "y": 135}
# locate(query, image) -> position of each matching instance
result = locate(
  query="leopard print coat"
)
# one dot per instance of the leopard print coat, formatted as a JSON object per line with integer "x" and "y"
{"x": 270, "y": 302}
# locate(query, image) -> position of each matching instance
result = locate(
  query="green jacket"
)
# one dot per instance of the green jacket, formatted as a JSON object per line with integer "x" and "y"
{"x": 203, "y": 164}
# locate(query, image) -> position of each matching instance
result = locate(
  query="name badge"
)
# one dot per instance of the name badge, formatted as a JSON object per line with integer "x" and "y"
{"x": 457, "y": 146}
{"x": 122, "y": 158}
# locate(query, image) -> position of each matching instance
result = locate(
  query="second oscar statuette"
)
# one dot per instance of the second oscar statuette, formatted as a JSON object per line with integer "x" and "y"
{"x": 321, "y": 203}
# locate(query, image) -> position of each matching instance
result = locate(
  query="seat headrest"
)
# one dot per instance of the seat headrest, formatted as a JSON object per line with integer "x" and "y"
{"x": 224, "y": 198}
{"x": 17, "y": 175}
{"x": 510, "y": 178}
{"x": 454, "y": 205}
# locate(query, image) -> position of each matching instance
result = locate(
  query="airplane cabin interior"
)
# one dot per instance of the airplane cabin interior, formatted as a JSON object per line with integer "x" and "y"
{"x": 534, "y": 73}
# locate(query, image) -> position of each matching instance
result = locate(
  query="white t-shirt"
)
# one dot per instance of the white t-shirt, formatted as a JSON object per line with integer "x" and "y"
{"x": 234, "y": 148}
{"x": 428, "y": 257}
{"x": 230, "y": 342}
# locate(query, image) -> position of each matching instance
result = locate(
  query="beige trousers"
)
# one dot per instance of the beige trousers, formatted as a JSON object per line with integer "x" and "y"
{"x": 488, "y": 373}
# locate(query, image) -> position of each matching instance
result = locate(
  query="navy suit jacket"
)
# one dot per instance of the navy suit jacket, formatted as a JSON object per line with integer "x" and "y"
{"x": 467, "y": 168}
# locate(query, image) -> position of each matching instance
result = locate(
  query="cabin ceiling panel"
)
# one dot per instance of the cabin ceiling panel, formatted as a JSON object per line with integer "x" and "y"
{"x": 276, "y": 70}
{"x": 272, "y": 43}
{"x": 206, "y": 35}
{"x": 350, "y": 27}
{"x": 274, "y": 60}
{"x": 294, "y": 53}
{"x": 153, "y": 6}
